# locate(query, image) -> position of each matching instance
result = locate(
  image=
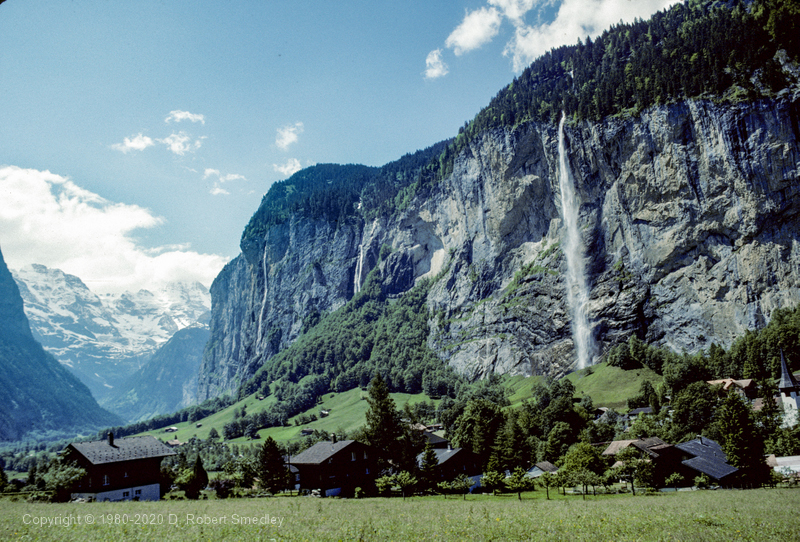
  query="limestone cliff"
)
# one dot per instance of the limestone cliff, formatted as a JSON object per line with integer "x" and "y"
{"x": 689, "y": 215}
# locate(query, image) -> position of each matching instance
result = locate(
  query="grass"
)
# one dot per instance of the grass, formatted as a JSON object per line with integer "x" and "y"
{"x": 611, "y": 386}
{"x": 607, "y": 386}
{"x": 347, "y": 413}
{"x": 764, "y": 514}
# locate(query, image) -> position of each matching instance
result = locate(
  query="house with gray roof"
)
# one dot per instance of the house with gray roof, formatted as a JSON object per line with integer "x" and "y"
{"x": 707, "y": 457}
{"x": 336, "y": 467}
{"x": 119, "y": 470}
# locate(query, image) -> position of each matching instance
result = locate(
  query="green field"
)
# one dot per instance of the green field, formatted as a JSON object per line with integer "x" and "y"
{"x": 608, "y": 386}
{"x": 765, "y": 514}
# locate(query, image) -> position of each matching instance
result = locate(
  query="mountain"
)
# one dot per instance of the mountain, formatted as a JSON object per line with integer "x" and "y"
{"x": 167, "y": 382}
{"x": 38, "y": 396}
{"x": 103, "y": 339}
{"x": 682, "y": 148}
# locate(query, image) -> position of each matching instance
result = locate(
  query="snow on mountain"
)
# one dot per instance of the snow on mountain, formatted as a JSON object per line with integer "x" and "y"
{"x": 105, "y": 338}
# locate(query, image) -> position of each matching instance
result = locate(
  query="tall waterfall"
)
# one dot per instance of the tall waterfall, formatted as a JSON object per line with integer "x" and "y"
{"x": 577, "y": 288}
{"x": 264, "y": 300}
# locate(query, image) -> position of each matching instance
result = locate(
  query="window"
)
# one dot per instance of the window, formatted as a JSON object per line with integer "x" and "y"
{"x": 137, "y": 492}
{"x": 352, "y": 456}
{"x": 126, "y": 494}
{"x": 126, "y": 475}
{"x": 367, "y": 470}
{"x": 365, "y": 454}
{"x": 106, "y": 481}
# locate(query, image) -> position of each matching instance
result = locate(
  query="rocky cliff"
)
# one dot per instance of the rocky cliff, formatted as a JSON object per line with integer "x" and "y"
{"x": 688, "y": 214}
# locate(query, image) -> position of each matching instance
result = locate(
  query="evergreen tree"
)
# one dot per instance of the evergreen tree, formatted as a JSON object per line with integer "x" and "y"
{"x": 272, "y": 471}
{"x": 741, "y": 440}
{"x": 383, "y": 429}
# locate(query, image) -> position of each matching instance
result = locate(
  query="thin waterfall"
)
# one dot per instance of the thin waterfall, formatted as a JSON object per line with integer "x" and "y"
{"x": 577, "y": 287}
{"x": 359, "y": 267}
{"x": 264, "y": 300}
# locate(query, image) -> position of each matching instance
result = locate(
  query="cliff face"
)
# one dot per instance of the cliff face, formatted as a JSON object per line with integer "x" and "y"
{"x": 689, "y": 215}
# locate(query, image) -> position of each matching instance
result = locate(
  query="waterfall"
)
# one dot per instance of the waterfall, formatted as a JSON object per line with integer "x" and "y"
{"x": 577, "y": 288}
{"x": 359, "y": 267}
{"x": 264, "y": 300}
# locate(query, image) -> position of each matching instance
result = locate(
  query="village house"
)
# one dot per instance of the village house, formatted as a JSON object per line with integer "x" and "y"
{"x": 450, "y": 462}
{"x": 540, "y": 468}
{"x": 336, "y": 468}
{"x": 119, "y": 470}
{"x": 689, "y": 459}
{"x": 746, "y": 388}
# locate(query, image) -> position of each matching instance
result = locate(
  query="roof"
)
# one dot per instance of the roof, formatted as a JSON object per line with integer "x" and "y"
{"x": 546, "y": 466}
{"x": 787, "y": 381}
{"x": 435, "y": 440}
{"x": 320, "y": 452}
{"x": 641, "y": 410}
{"x": 644, "y": 444}
{"x": 443, "y": 454}
{"x": 726, "y": 383}
{"x": 100, "y": 452}
{"x": 708, "y": 458}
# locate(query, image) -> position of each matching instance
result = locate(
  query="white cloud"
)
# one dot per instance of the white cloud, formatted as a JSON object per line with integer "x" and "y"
{"x": 477, "y": 28}
{"x": 288, "y": 135}
{"x": 514, "y": 10}
{"x": 217, "y": 190}
{"x": 138, "y": 142}
{"x": 288, "y": 169}
{"x": 48, "y": 219}
{"x": 178, "y": 116}
{"x": 181, "y": 143}
{"x": 434, "y": 65}
{"x": 576, "y": 19}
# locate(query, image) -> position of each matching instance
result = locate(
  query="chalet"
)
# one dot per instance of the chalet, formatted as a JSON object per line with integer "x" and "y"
{"x": 336, "y": 468}
{"x": 706, "y": 457}
{"x": 435, "y": 440}
{"x": 450, "y": 462}
{"x": 665, "y": 458}
{"x": 746, "y": 388}
{"x": 122, "y": 470}
{"x": 540, "y": 468}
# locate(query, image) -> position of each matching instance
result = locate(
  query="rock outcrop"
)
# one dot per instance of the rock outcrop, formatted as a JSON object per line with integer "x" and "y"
{"x": 689, "y": 216}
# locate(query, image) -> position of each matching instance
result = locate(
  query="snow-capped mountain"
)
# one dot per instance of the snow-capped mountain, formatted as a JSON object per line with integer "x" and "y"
{"x": 105, "y": 338}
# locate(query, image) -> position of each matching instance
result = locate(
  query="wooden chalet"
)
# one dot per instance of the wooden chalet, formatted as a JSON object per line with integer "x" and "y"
{"x": 706, "y": 457}
{"x": 119, "y": 470}
{"x": 450, "y": 462}
{"x": 336, "y": 468}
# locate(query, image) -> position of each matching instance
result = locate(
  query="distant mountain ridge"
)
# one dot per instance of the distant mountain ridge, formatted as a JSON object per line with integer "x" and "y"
{"x": 167, "y": 382}
{"x": 38, "y": 396}
{"x": 104, "y": 339}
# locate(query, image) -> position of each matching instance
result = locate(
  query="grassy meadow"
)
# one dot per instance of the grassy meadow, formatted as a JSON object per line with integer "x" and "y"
{"x": 764, "y": 514}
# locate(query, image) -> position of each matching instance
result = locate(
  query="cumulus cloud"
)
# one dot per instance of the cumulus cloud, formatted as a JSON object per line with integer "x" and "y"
{"x": 181, "y": 143}
{"x": 287, "y": 135}
{"x": 217, "y": 190}
{"x": 48, "y": 219}
{"x": 178, "y": 116}
{"x": 576, "y": 19}
{"x": 477, "y": 28}
{"x": 434, "y": 65}
{"x": 138, "y": 142}
{"x": 288, "y": 169}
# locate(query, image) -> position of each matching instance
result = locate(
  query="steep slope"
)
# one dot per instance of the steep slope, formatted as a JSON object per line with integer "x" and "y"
{"x": 166, "y": 383}
{"x": 104, "y": 339}
{"x": 38, "y": 397}
{"x": 688, "y": 213}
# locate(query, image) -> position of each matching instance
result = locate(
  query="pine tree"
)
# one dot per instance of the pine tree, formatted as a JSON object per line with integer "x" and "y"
{"x": 384, "y": 428}
{"x": 741, "y": 441}
{"x": 272, "y": 471}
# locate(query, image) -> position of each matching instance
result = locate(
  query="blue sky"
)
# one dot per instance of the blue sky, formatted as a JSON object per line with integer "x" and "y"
{"x": 137, "y": 138}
